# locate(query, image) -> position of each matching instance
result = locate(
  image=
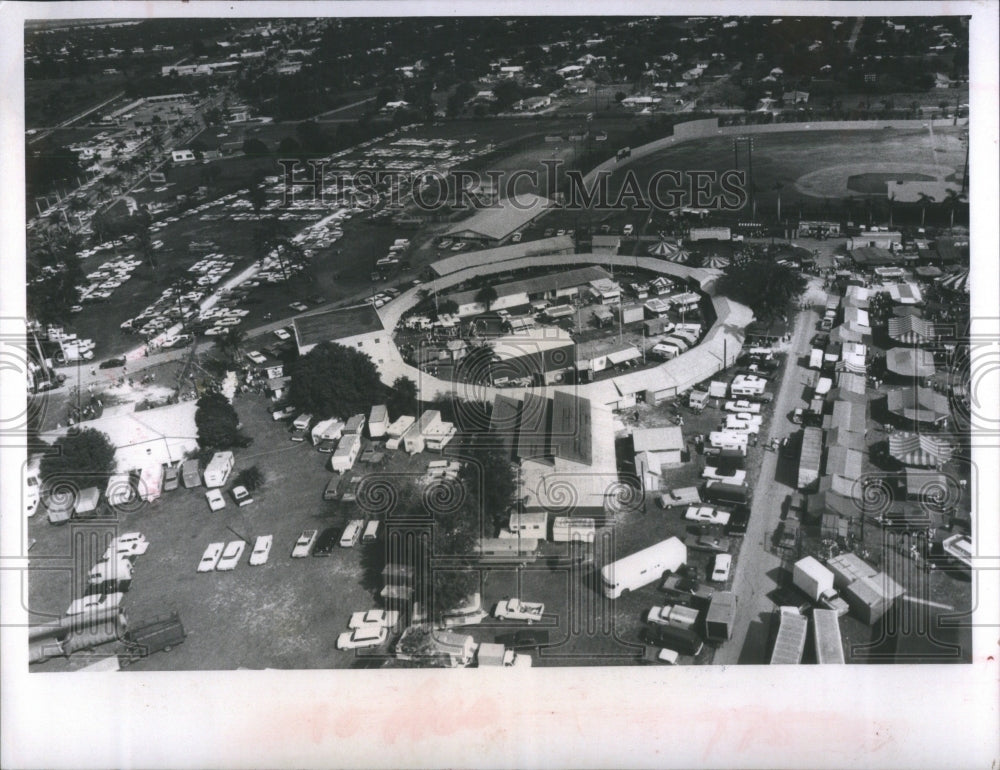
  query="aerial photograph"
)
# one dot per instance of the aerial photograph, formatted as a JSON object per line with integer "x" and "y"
{"x": 497, "y": 341}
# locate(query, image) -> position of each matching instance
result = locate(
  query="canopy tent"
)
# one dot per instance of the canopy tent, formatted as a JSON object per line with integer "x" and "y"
{"x": 912, "y": 330}
{"x": 905, "y": 293}
{"x": 669, "y": 251}
{"x": 957, "y": 282}
{"x": 920, "y": 450}
{"x": 844, "y": 333}
{"x": 717, "y": 261}
{"x": 918, "y": 404}
{"x": 910, "y": 362}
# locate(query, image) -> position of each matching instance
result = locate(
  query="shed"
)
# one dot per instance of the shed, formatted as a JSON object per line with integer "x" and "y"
{"x": 848, "y": 567}
{"x": 871, "y": 596}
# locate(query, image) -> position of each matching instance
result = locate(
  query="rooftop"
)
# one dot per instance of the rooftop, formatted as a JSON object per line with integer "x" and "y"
{"x": 498, "y": 222}
{"x": 336, "y": 325}
{"x": 542, "y": 284}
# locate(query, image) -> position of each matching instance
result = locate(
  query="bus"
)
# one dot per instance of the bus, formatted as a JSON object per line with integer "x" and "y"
{"x": 503, "y": 550}
{"x": 642, "y": 568}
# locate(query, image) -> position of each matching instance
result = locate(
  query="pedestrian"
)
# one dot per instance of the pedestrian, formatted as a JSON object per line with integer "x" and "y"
{"x": 93, "y": 371}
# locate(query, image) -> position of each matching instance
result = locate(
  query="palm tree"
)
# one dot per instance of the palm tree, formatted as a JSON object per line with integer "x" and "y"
{"x": 924, "y": 200}
{"x": 951, "y": 200}
{"x": 486, "y": 295}
{"x": 777, "y": 188}
{"x": 892, "y": 200}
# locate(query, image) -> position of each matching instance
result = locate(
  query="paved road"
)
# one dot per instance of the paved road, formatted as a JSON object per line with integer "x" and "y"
{"x": 758, "y": 569}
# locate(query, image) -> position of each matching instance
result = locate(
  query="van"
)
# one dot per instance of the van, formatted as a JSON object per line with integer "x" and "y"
{"x": 726, "y": 494}
{"x": 189, "y": 474}
{"x": 371, "y": 532}
{"x": 352, "y": 533}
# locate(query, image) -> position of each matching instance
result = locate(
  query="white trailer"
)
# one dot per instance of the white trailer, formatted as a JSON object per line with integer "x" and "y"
{"x": 346, "y": 453}
{"x": 327, "y": 430}
{"x": 642, "y": 568}
{"x": 218, "y": 469}
{"x": 566, "y": 529}
{"x": 378, "y": 421}
{"x": 397, "y": 429}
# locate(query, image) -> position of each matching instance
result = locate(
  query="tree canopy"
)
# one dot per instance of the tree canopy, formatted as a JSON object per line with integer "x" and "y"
{"x": 762, "y": 285}
{"x": 86, "y": 457}
{"x": 402, "y": 398}
{"x": 332, "y": 380}
{"x": 491, "y": 479}
{"x": 217, "y": 422}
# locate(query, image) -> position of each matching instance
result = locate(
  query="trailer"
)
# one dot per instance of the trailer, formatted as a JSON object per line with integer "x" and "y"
{"x": 346, "y": 453}
{"x": 816, "y": 359}
{"x": 534, "y": 525}
{"x": 326, "y": 431}
{"x": 378, "y": 421}
{"x": 566, "y": 529}
{"x": 397, "y": 430}
{"x": 791, "y": 639}
{"x": 218, "y": 469}
{"x": 809, "y": 457}
{"x": 491, "y": 655}
{"x": 643, "y": 567}
{"x": 721, "y": 616}
{"x": 827, "y": 640}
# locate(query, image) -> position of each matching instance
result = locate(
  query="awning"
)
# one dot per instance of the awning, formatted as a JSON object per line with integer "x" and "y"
{"x": 621, "y": 356}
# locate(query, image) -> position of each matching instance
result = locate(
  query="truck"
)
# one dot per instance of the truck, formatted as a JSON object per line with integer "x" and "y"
{"x": 682, "y": 640}
{"x": 816, "y": 582}
{"x": 189, "y": 474}
{"x": 490, "y": 655}
{"x": 643, "y": 567}
{"x": 721, "y": 617}
{"x": 816, "y": 359}
{"x": 680, "y": 496}
{"x": 676, "y": 615}
{"x": 145, "y": 638}
{"x": 218, "y": 469}
{"x": 515, "y": 609}
{"x": 809, "y": 457}
{"x": 827, "y": 640}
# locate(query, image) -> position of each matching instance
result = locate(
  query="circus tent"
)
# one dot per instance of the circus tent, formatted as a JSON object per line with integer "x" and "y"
{"x": 957, "y": 282}
{"x": 925, "y": 451}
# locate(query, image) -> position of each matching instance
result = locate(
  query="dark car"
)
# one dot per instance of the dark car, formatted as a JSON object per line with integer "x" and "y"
{"x": 113, "y": 363}
{"x": 327, "y": 541}
{"x": 330, "y": 493}
{"x": 524, "y": 639}
{"x": 160, "y": 633}
{"x": 682, "y": 640}
{"x": 687, "y": 591}
{"x": 738, "y": 521}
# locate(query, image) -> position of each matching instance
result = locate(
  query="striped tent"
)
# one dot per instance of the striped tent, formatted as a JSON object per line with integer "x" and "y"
{"x": 957, "y": 282}
{"x": 669, "y": 251}
{"x": 918, "y": 450}
{"x": 717, "y": 261}
{"x": 912, "y": 330}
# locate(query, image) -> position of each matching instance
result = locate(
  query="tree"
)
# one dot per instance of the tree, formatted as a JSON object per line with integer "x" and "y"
{"x": 402, "y": 398}
{"x": 765, "y": 287}
{"x": 84, "y": 458}
{"x": 486, "y": 295}
{"x": 231, "y": 344}
{"x": 252, "y": 478}
{"x": 924, "y": 199}
{"x": 332, "y": 380}
{"x": 255, "y": 148}
{"x": 217, "y": 422}
{"x": 951, "y": 201}
{"x": 491, "y": 479}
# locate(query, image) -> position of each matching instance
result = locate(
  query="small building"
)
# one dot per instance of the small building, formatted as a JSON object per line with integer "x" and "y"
{"x": 656, "y": 449}
{"x": 628, "y": 314}
{"x": 182, "y": 156}
{"x": 534, "y": 525}
{"x": 656, "y": 308}
{"x": 876, "y": 239}
{"x": 378, "y": 421}
{"x": 848, "y": 567}
{"x": 605, "y": 244}
{"x": 605, "y": 291}
{"x": 871, "y": 597}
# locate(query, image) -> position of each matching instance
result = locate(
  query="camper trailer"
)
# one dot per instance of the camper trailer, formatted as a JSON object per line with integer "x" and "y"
{"x": 378, "y": 421}
{"x": 642, "y": 568}
{"x": 218, "y": 469}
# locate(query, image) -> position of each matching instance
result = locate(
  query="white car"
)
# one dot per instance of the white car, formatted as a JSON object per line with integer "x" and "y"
{"x": 215, "y": 499}
{"x": 706, "y": 514}
{"x": 257, "y": 357}
{"x": 283, "y": 413}
{"x": 384, "y": 618}
{"x": 105, "y": 571}
{"x": 304, "y": 544}
{"x": 95, "y": 602}
{"x": 743, "y": 406}
{"x": 231, "y": 556}
{"x": 211, "y": 557}
{"x": 366, "y": 636}
{"x": 261, "y": 550}
{"x": 241, "y": 496}
{"x": 720, "y": 570}
{"x": 736, "y": 477}
{"x": 282, "y": 335}
{"x": 300, "y": 306}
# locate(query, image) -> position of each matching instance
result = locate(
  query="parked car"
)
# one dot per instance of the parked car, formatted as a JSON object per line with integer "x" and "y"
{"x": 299, "y": 306}
{"x": 241, "y": 496}
{"x": 283, "y": 413}
{"x": 95, "y": 602}
{"x": 720, "y": 570}
{"x": 113, "y": 363}
{"x": 327, "y": 541}
{"x": 384, "y": 618}
{"x": 215, "y": 499}
{"x": 366, "y": 636}
{"x": 261, "y": 550}
{"x": 304, "y": 544}
{"x": 171, "y": 478}
{"x": 706, "y": 514}
{"x": 231, "y": 556}
{"x": 257, "y": 357}
{"x": 211, "y": 557}
{"x": 282, "y": 335}
{"x": 330, "y": 492}
{"x": 654, "y": 654}
{"x": 525, "y": 638}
